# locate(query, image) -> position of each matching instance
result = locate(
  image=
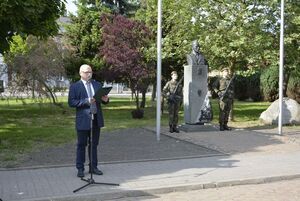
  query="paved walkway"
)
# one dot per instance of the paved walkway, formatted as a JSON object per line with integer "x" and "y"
{"x": 254, "y": 157}
{"x": 287, "y": 190}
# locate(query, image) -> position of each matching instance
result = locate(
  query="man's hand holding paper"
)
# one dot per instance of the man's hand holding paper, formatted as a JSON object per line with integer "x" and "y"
{"x": 101, "y": 94}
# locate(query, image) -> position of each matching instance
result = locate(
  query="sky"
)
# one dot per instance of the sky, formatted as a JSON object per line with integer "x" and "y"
{"x": 71, "y": 7}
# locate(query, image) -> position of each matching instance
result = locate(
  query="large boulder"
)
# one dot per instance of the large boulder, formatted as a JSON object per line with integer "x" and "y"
{"x": 290, "y": 112}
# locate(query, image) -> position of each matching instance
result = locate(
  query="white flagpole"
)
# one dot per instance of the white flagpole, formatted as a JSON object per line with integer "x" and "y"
{"x": 281, "y": 65}
{"x": 158, "y": 80}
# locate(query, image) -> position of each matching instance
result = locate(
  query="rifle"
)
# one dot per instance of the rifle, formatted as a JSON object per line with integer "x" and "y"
{"x": 173, "y": 97}
{"x": 225, "y": 91}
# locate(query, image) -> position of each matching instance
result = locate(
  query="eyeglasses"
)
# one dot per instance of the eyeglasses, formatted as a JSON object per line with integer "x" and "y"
{"x": 87, "y": 72}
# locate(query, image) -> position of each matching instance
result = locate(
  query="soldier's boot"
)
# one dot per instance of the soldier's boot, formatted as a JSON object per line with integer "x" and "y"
{"x": 227, "y": 128}
{"x": 175, "y": 129}
{"x": 171, "y": 129}
{"x": 222, "y": 127}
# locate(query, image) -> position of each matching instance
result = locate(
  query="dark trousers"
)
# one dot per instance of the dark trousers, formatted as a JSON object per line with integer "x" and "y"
{"x": 83, "y": 139}
{"x": 225, "y": 107}
{"x": 173, "y": 113}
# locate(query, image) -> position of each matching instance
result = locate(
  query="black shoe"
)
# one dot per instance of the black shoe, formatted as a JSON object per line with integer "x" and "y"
{"x": 227, "y": 128}
{"x": 80, "y": 173}
{"x": 96, "y": 171}
{"x": 222, "y": 128}
{"x": 171, "y": 129}
{"x": 176, "y": 130}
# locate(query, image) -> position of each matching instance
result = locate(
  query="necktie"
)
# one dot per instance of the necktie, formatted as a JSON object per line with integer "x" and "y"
{"x": 93, "y": 105}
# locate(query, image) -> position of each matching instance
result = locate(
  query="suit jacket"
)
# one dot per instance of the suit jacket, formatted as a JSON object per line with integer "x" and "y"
{"x": 78, "y": 98}
{"x": 199, "y": 59}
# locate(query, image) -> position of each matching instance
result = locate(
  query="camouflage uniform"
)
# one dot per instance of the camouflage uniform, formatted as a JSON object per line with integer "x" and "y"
{"x": 225, "y": 101}
{"x": 174, "y": 102}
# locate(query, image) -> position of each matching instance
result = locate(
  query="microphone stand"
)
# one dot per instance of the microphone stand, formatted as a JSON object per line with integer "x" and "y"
{"x": 91, "y": 181}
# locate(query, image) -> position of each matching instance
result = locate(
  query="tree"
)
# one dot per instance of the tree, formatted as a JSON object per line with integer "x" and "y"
{"x": 240, "y": 40}
{"x": 123, "y": 43}
{"x": 292, "y": 42}
{"x": 33, "y": 17}
{"x": 84, "y": 35}
{"x": 178, "y": 31}
{"x": 223, "y": 33}
{"x": 122, "y": 7}
{"x": 33, "y": 65}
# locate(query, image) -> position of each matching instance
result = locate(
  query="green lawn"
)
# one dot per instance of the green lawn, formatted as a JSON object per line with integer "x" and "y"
{"x": 31, "y": 126}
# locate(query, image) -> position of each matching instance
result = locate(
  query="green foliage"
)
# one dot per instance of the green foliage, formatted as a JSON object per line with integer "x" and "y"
{"x": 247, "y": 86}
{"x": 178, "y": 31}
{"x": 122, "y": 7}
{"x": 33, "y": 17}
{"x": 211, "y": 84}
{"x": 72, "y": 64}
{"x": 269, "y": 83}
{"x": 240, "y": 40}
{"x": 253, "y": 87}
{"x": 292, "y": 35}
{"x": 18, "y": 46}
{"x": 240, "y": 87}
{"x": 293, "y": 90}
{"x": 84, "y": 35}
{"x": 35, "y": 64}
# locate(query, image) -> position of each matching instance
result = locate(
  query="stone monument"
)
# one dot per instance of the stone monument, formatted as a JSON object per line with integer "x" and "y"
{"x": 290, "y": 113}
{"x": 197, "y": 107}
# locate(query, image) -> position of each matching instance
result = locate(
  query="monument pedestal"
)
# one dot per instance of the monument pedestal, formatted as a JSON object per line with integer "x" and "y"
{"x": 198, "y": 127}
{"x": 197, "y": 108}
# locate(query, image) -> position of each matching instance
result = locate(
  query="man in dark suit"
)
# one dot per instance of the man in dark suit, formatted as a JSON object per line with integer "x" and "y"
{"x": 87, "y": 108}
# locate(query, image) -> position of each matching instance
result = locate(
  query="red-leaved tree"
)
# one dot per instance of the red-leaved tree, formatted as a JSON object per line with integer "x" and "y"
{"x": 124, "y": 41}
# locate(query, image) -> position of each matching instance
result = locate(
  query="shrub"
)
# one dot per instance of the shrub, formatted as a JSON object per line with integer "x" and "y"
{"x": 269, "y": 83}
{"x": 240, "y": 87}
{"x": 247, "y": 86}
{"x": 253, "y": 87}
{"x": 211, "y": 82}
{"x": 293, "y": 90}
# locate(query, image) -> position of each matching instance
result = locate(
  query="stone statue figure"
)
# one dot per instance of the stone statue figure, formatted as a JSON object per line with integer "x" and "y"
{"x": 197, "y": 108}
{"x": 196, "y": 57}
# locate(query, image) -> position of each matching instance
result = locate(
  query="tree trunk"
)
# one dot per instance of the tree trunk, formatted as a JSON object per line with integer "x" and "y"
{"x": 231, "y": 114}
{"x": 143, "y": 102}
{"x": 286, "y": 77}
{"x": 153, "y": 95}
{"x": 137, "y": 100}
{"x": 53, "y": 97}
{"x": 32, "y": 91}
{"x": 136, "y": 96}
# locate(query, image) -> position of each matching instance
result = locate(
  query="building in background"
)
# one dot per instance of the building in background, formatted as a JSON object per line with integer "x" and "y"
{"x": 3, "y": 75}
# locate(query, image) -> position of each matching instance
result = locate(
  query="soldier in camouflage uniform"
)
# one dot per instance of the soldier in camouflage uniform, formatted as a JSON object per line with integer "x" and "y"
{"x": 224, "y": 89}
{"x": 172, "y": 91}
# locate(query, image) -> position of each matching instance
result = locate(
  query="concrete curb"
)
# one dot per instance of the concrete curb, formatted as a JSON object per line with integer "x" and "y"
{"x": 123, "y": 193}
{"x": 116, "y": 162}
